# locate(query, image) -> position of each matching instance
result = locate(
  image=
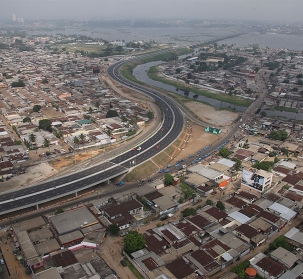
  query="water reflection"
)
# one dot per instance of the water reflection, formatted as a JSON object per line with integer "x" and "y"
{"x": 140, "y": 73}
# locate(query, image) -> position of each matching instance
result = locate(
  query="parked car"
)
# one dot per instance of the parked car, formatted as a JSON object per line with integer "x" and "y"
{"x": 167, "y": 170}
{"x": 160, "y": 170}
{"x": 123, "y": 263}
{"x": 120, "y": 183}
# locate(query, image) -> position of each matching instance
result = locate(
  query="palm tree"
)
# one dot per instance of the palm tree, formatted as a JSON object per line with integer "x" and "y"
{"x": 76, "y": 140}
{"x": 109, "y": 133}
{"x": 46, "y": 143}
{"x": 32, "y": 139}
{"x": 82, "y": 137}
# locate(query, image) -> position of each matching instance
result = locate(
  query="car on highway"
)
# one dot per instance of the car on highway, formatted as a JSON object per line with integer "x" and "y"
{"x": 158, "y": 146}
{"x": 120, "y": 183}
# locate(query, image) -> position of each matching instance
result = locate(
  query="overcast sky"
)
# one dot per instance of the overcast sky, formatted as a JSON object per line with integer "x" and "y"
{"x": 285, "y": 10}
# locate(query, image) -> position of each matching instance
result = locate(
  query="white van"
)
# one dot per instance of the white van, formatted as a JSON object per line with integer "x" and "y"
{"x": 183, "y": 166}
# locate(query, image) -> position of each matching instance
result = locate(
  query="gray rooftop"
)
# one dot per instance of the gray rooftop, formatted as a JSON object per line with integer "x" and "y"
{"x": 28, "y": 224}
{"x": 285, "y": 257}
{"x": 52, "y": 273}
{"x": 72, "y": 220}
{"x": 70, "y": 237}
{"x": 206, "y": 172}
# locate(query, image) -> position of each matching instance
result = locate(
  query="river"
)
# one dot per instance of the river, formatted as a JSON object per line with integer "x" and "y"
{"x": 140, "y": 73}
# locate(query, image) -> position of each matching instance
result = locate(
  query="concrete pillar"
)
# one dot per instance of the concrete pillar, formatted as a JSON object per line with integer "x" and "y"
{"x": 37, "y": 206}
{"x": 76, "y": 194}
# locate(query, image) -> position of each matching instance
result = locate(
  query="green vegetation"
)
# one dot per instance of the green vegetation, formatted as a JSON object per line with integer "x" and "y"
{"x": 26, "y": 119}
{"x": 189, "y": 212}
{"x": 263, "y": 113}
{"x": 264, "y": 165}
{"x": 220, "y": 205}
{"x": 281, "y": 241}
{"x": 286, "y": 187}
{"x": 113, "y": 229}
{"x": 45, "y": 124}
{"x": 59, "y": 211}
{"x": 225, "y": 152}
{"x": 36, "y": 108}
{"x": 209, "y": 202}
{"x": 150, "y": 114}
{"x": 111, "y": 113}
{"x": 278, "y": 135}
{"x": 19, "y": 83}
{"x": 286, "y": 109}
{"x": 133, "y": 242}
{"x": 133, "y": 269}
{"x": 240, "y": 268}
{"x": 238, "y": 164}
{"x": 187, "y": 191}
{"x": 232, "y": 99}
{"x": 168, "y": 179}
{"x": 272, "y": 65}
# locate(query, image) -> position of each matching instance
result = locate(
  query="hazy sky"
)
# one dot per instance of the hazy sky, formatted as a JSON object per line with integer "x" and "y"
{"x": 286, "y": 10}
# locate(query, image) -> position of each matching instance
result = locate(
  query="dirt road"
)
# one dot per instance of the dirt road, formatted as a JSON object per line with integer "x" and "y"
{"x": 111, "y": 252}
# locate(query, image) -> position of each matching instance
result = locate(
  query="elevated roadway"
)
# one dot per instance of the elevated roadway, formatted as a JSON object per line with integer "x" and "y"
{"x": 171, "y": 127}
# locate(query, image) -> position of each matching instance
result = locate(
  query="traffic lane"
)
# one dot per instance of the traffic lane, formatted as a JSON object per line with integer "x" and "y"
{"x": 55, "y": 182}
{"x": 56, "y": 191}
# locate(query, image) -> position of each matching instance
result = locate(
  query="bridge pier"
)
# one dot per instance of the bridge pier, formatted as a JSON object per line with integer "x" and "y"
{"x": 76, "y": 194}
{"x": 37, "y": 206}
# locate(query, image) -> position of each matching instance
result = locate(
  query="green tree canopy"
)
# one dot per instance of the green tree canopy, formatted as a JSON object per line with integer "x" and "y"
{"x": 189, "y": 211}
{"x": 113, "y": 229}
{"x": 278, "y": 135}
{"x": 264, "y": 165}
{"x": 26, "y": 119}
{"x": 36, "y": 108}
{"x": 220, "y": 205}
{"x": 133, "y": 242}
{"x": 46, "y": 142}
{"x": 45, "y": 124}
{"x": 263, "y": 113}
{"x": 238, "y": 164}
{"x": 59, "y": 211}
{"x": 19, "y": 83}
{"x": 111, "y": 113}
{"x": 44, "y": 81}
{"x": 225, "y": 152}
{"x": 168, "y": 179}
{"x": 150, "y": 114}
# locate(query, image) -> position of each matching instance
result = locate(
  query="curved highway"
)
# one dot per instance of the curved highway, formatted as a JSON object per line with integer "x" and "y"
{"x": 172, "y": 126}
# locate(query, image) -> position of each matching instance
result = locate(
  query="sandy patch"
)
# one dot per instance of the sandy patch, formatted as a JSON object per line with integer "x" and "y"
{"x": 211, "y": 115}
{"x": 33, "y": 175}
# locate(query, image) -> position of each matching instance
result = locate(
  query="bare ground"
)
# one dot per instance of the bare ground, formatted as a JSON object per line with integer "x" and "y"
{"x": 111, "y": 252}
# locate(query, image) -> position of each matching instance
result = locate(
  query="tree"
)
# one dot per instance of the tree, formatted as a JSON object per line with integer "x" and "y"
{"x": 44, "y": 81}
{"x": 263, "y": 113}
{"x": 82, "y": 137}
{"x": 150, "y": 114}
{"x": 113, "y": 229}
{"x": 111, "y": 113}
{"x": 97, "y": 104}
{"x": 26, "y": 119}
{"x": 133, "y": 242}
{"x": 220, "y": 205}
{"x": 76, "y": 140}
{"x": 46, "y": 142}
{"x": 119, "y": 49}
{"x": 45, "y": 124}
{"x": 32, "y": 138}
{"x": 108, "y": 132}
{"x": 90, "y": 110}
{"x": 300, "y": 75}
{"x": 209, "y": 202}
{"x": 189, "y": 211}
{"x": 168, "y": 179}
{"x": 225, "y": 152}
{"x": 238, "y": 164}
{"x": 278, "y": 135}
{"x": 178, "y": 70}
{"x": 59, "y": 211}
{"x": 19, "y": 83}
{"x": 264, "y": 165}
{"x": 300, "y": 82}
{"x": 36, "y": 108}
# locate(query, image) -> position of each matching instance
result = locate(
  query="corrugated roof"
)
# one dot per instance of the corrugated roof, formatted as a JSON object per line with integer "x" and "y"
{"x": 241, "y": 218}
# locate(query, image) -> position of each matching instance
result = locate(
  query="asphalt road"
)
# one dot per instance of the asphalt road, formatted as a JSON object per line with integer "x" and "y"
{"x": 172, "y": 126}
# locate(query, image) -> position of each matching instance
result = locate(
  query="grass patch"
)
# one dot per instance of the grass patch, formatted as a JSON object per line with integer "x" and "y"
{"x": 286, "y": 109}
{"x": 133, "y": 269}
{"x": 153, "y": 73}
{"x": 170, "y": 150}
{"x": 146, "y": 169}
{"x": 177, "y": 142}
{"x": 161, "y": 159}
